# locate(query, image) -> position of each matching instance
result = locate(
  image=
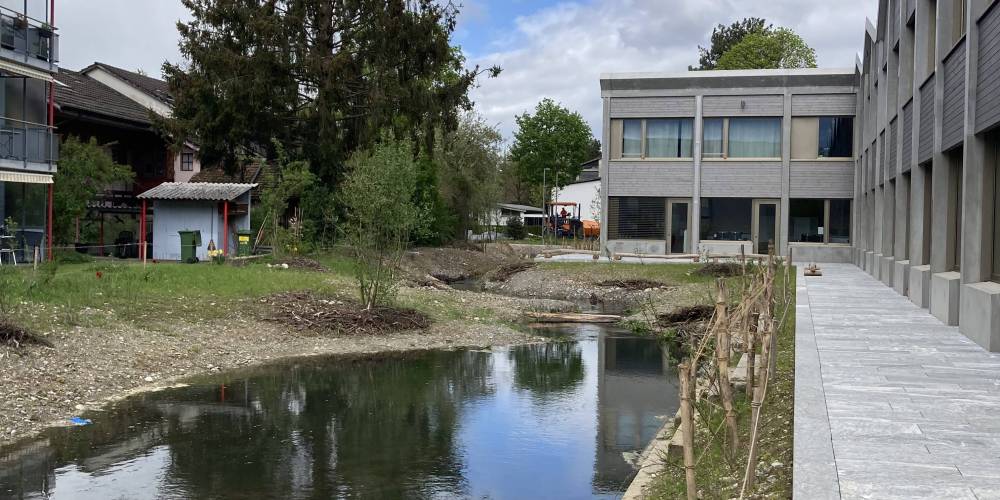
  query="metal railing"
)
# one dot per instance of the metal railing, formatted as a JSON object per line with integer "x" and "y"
{"x": 28, "y": 142}
{"x": 35, "y": 41}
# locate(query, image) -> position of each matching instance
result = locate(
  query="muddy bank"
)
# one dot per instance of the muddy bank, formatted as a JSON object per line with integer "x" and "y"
{"x": 90, "y": 367}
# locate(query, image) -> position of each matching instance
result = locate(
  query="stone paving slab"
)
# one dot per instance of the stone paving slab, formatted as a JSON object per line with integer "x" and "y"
{"x": 889, "y": 402}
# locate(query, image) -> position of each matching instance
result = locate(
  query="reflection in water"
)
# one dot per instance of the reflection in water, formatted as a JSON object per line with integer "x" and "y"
{"x": 547, "y": 420}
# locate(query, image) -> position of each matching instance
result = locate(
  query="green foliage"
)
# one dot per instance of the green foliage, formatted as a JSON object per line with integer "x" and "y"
{"x": 470, "y": 159}
{"x": 553, "y": 138}
{"x": 515, "y": 229}
{"x": 378, "y": 194}
{"x": 434, "y": 222}
{"x": 323, "y": 78}
{"x": 85, "y": 169}
{"x": 779, "y": 48}
{"x": 725, "y": 37}
{"x": 291, "y": 180}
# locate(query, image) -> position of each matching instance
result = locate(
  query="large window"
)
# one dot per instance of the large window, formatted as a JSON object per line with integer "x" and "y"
{"x": 637, "y": 218}
{"x": 836, "y": 136}
{"x": 742, "y": 138}
{"x": 819, "y": 221}
{"x": 631, "y": 138}
{"x": 668, "y": 138}
{"x": 726, "y": 219}
{"x": 655, "y": 138}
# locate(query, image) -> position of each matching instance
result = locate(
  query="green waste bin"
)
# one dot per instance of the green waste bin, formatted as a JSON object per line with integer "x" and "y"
{"x": 243, "y": 242}
{"x": 190, "y": 241}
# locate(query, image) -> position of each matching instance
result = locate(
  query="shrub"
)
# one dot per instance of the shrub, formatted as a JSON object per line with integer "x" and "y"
{"x": 515, "y": 229}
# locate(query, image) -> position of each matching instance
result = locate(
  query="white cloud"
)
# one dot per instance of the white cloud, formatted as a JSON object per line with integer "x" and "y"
{"x": 560, "y": 51}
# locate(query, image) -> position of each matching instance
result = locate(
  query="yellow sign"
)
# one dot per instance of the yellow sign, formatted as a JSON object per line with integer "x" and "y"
{"x": 244, "y": 239}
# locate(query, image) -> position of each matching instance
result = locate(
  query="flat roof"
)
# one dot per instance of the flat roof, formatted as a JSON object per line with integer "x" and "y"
{"x": 729, "y": 78}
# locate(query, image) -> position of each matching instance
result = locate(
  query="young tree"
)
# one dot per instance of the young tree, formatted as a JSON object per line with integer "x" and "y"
{"x": 290, "y": 180}
{"x": 555, "y": 139}
{"x": 85, "y": 169}
{"x": 323, "y": 77}
{"x": 378, "y": 194}
{"x": 725, "y": 37}
{"x": 780, "y": 48}
{"x": 470, "y": 160}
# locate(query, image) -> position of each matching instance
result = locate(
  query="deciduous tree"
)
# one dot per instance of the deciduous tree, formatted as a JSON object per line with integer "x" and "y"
{"x": 779, "y": 48}
{"x": 552, "y": 138}
{"x": 85, "y": 169}
{"x": 725, "y": 37}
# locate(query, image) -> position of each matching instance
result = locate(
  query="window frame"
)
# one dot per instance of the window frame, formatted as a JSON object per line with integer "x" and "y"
{"x": 819, "y": 142}
{"x": 187, "y": 160}
{"x": 827, "y": 202}
{"x": 726, "y": 129}
{"x": 618, "y": 154}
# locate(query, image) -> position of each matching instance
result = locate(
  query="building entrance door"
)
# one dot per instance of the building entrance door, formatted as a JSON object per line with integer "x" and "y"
{"x": 678, "y": 226}
{"x": 765, "y": 225}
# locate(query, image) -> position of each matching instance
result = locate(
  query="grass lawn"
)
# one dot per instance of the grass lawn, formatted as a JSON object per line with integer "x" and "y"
{"x": 719, "y": 477}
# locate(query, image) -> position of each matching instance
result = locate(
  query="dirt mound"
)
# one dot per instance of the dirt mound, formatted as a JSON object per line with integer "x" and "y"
{"x": 721, "y": 269}
{"x": 450, "y": 264}
{"x": 631, "y": 284}
{"x": 15, "y": 336}
{"x": 505, "y": 271}
{"x": 305, "y": 311}
{"x": 305, "y": 263}
{"x": 686, "y": 315}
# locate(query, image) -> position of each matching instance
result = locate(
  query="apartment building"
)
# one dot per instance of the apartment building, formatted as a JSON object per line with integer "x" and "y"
{"x": 893, "y": 166}
{"x": 927, "y": 171}
{"x": 730, "y": 161}
{"x": 29, "y": 48}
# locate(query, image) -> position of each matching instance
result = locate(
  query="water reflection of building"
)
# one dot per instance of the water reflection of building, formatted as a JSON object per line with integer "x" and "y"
{"x": 637, "y": 391}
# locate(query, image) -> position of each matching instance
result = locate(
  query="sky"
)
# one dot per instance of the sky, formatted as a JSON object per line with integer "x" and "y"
{"x": 555, "y": 49}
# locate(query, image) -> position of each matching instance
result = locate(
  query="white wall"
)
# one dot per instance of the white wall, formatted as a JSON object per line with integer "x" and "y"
{"x": 183, "y": 175}
{"x": 583, "y": 193}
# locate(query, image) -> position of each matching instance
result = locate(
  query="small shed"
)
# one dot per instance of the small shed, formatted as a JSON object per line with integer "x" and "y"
{"x": 218, "y": 210}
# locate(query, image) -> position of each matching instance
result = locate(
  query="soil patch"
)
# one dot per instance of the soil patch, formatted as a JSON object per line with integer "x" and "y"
{"x": 15, "y": 336}
{"x": 631, "y": 284}
{"x": 507, "y": 270}
{"x": 305, "y": 263}
{"x": 721, "y": 269}
{"x": 305, "y": 311}
{"x": 690, "y": 314}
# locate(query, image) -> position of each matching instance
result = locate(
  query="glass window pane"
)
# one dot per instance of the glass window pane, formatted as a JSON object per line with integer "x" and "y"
{"x": 805, "y": 221}
{"x": 631, "y": 138}
{"x": 637, "y": 217}
{"x": 755, "y": 137}
{"x": 840, "y": 221}
{"x": 836, "y": 136}
{"x": 712, "y": 138}
{"x": 726, "y": 218}
{"x": 668, "y": 138}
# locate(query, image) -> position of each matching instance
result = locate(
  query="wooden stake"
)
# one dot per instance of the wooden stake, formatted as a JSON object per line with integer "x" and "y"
{"x": 687, "y": 428}
{"x": 758, "y": 399}
{"x": 750, "y": 350}
{"x": 722, "y": 352}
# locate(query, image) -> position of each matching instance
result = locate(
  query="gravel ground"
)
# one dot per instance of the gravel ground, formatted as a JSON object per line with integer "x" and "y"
{"x": 90, "y": 367}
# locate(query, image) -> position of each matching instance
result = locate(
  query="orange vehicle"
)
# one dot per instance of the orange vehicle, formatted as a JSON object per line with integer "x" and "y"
{"x": 562, "y": 218}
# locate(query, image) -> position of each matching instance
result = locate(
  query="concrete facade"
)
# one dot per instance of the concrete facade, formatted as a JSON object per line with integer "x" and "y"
{"x": 923, "y": 173}
{"x": 928, "y": 83}
{"x": 766, "y": 188}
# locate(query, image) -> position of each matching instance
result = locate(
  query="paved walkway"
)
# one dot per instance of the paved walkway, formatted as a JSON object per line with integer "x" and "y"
{"x": 890, "y": 403}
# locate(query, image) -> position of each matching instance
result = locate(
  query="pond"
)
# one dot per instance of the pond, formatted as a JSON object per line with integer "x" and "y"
{"x": 553, "y": 420}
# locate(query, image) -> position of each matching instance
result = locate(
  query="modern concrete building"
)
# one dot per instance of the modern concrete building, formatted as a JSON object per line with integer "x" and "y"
{"x": 712, "y": 161}
{"x": 914, "y": 200}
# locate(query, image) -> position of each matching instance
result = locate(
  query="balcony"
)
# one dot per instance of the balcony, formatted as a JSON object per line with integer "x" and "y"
{"x": 32, "y": 145}
{"x": 28, "y": 41}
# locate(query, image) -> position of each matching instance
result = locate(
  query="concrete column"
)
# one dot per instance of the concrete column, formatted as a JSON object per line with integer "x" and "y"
{"x": 786, "y": 154}
{"x": 979, "y": 172}
{"x": 902, "y": 217}
{"x": 605, "y": 170}
{"x": 888, "y": 218}
{"x": 696, "y": 191}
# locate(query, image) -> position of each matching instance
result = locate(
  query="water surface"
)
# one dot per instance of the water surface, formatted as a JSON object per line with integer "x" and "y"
{"x": 555, "y": 420}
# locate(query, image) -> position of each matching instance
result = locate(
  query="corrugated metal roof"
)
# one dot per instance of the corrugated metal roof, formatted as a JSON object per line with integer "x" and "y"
{"x": 209, "y": 191}
{"x": 518, "y": 208}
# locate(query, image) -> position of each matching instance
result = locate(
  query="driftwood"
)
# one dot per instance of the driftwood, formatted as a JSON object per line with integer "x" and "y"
{"x": 547, "y": 317}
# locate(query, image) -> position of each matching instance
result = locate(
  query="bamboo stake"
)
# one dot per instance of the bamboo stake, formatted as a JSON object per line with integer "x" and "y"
{"x": 722, "y": 352}
{"x": 759, "y": 391}
{"x": 750, "y": 350}
{"x": 687, "y": 429}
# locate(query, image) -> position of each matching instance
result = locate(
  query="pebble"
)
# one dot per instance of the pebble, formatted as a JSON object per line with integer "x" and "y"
{"x": 148, "y": 379}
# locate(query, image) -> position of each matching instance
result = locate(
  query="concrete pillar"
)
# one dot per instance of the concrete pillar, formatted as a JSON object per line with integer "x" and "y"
{"x": 696, "y": 190}
{"x": 605, "y": 171}
{"x": 901, "y": 217}
{"x": 786, "y": 154}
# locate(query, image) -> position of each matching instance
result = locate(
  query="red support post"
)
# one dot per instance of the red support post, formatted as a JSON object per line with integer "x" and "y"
{"x": 48, "y": 229}
{"x": 142, "y": 232}
{"x": 225, "y": 228}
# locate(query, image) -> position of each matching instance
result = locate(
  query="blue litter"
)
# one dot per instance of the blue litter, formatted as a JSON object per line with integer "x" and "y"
{"x": 80, "y": 421}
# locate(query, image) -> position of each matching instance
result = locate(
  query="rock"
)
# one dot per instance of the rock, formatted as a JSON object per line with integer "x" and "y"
{"x": 148, "y": 378}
